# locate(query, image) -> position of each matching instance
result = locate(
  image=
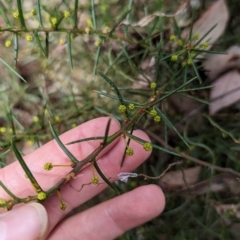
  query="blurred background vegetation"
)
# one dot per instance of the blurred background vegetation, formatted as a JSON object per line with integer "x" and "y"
{"x": 59, "y": 63}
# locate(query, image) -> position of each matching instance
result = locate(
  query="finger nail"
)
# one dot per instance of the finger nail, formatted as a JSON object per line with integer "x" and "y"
{"x": 26, "y": 222}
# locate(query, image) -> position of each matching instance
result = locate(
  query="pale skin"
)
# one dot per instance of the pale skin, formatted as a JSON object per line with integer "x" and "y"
{"x": 104, "y": 221}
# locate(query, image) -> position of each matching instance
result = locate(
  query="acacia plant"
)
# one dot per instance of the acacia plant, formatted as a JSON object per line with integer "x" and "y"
{"x": 54, "y": 55}
{"x": 156, "y": 88}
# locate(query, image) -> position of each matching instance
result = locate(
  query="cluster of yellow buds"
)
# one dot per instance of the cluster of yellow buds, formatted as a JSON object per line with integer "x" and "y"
{"x": 41, "y": 196}
{"x": 66, "y": 14}
{"x": 3, "y": 129}
{"x": 53, "y": 21}
{"x": 35, "y": 119}
{"x": 129, "y": 151}
{"x": 122, "y": 108}
{"x": 186, "y": 48}
{"x": 61, "y": 41}
{"x": 33, "y": 12}
{"x": 131, "y": 106}
{"x": 97, "y": 42}
{"x": 154, "y": 114}
{"x": 147, "y": 146}
{"x": 29, "y": 37}
{"x": 8, "y": 43}
{"x": 95, "y": 180}
{"x": 16, "y": 14}
{"x": 153, "y": 85}
{"x": 89, "y": 26}
{"x": 48, "y": 166}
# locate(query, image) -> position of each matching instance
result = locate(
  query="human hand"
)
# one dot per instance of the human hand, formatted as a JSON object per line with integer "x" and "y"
{"x": 104, "y": 221}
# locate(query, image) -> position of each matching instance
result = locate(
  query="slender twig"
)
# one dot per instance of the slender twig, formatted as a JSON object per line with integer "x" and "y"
{"x": 91, "y": 158}
{"x": 162, "y": 174}
{"x": 195, "y": 160}
{"x": 72, "y": 31}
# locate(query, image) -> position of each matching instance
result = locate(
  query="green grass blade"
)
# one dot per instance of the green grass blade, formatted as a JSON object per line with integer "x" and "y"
{"x": 3, "y": 12}
{"x": 128, "y": 142}
{"x": 69, "y": 47}
{"x": 104, "y": 177}
{"x": 128, "y": 18}
{"x": 26, "y": 169}
{"x": 154, "y": 145}
{"x": 174, "y": 91}
{"x": 97, "y": 59}
{"x": 11, "y": 122}
{"x": 120, "y": 20}
{"x": 116, "y": 98}
{"x": 170, "y": 125}
{"x": 8, "y": 191}
{"x": 209, "y": 52}
{"x": 59, "y": 22}
{"x": 132, "y": 64}
{"x": 106, "y": 132}
{"x": 195, "y": 68}
{"x": 199, "y": 41}
{"x": 61, "y": 145}
{"x": 47, "y": 44}
{"x": 75, "y": 16}
{"x": 113, "y": 86}
{"x": 2, "y": 155}
{"x": 20, "y": 126}
{"x": 39, "y": 16}
{"x": 201, "y": 145}
{"x": 93, "y": 14}
{"x": 110, "y": 114}
{"x": 191, "y": 27}
{"x": 114, "y": 62}
{"x": 196, "y": 99}
{"x": 15, "y": 41}
{"x": 20, "y": 11}
{"x": 39, "y": 43}
{"x": 222, "y": 130}
{"x": 86, "y": 139}
{"x": 176, "y": 28}
{"x": 10, "y": 68}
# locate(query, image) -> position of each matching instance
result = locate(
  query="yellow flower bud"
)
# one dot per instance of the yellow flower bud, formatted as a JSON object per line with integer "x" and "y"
{"x": 95, "y": 180}
{"x": 16, "y": 14}
{"x": 33, "y": 12}
{"x": 48, "y": 166}
{"x": 63, "y": 206}
{"x": 66, "y": 14}
{"x": 3, "y": 129}
{"x": 54, "y": 21}
{"x": 153, "y": 85}
{"x": 29, "y": 38}
{"x": 129, "y": 151}
{"x": 174, "y": 58}
{"x": 196, "y": 36}
{"x": 61, "y": 41}
{"x": 147, "y": 146}
{"x": 35, "y": 119}
{"x": 87, "y": 30}
{"x": 89, "y": 22}
{"x": 8, "y": 43}
{"x": 97, "y": 43}
{"x": 41, "y": 195}
{"x": 204, "y": 45}
{"x": 131, "y": 106}
{"x": 173, "y": 38}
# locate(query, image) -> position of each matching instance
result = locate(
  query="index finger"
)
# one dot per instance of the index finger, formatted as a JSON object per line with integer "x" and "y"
{"x": 51, "y": 152}
{"x": 14, "y": 177}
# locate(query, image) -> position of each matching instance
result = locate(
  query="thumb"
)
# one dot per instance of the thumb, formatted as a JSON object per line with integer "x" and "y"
{"x": 26, "y": 222}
